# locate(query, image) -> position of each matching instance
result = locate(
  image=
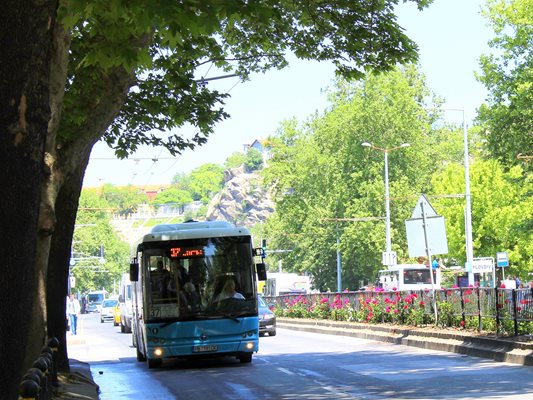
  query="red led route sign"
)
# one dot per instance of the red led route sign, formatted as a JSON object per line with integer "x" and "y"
{"x": 186, "y": 252}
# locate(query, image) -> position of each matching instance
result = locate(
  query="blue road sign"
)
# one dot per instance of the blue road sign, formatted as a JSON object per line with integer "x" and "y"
{"x": 502, "y": 259}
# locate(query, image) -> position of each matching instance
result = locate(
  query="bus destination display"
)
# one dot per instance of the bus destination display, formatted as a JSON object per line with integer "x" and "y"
{"x": 186, "y": 252}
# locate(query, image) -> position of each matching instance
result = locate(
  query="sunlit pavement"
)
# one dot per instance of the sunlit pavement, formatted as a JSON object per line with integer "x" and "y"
{"x": 79, "y": 338}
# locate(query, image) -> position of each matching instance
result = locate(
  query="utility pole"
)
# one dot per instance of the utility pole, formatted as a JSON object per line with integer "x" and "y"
{"x": 388, "y": 258}
{"x": 339, "y": 262}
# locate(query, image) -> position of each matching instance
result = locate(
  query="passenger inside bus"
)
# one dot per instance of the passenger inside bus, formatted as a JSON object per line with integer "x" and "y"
{"x": 189, "y": 299}
{"x": 159, "y": 279}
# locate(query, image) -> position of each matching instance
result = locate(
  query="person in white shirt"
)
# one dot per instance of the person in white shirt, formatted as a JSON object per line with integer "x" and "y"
{"x": 73, "y": 310}
{"x": 228, "y": 292}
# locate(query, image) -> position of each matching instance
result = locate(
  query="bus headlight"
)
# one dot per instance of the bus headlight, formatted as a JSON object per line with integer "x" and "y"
{"x": 158, "y": 352}
{"x": 249, "y": 346}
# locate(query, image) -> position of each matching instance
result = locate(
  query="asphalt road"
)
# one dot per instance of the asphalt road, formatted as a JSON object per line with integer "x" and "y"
{"x": 298, "y": 365}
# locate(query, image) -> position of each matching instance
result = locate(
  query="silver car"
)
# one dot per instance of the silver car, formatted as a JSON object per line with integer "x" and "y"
{"x": 107, "y": 310}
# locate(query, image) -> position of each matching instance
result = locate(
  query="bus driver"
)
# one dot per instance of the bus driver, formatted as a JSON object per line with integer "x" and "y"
{"x": 229, "y": 292}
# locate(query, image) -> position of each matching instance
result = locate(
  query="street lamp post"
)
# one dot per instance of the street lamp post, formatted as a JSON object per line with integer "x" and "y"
{"x": 468, "y": 205}
{"x": 387, "y": 195}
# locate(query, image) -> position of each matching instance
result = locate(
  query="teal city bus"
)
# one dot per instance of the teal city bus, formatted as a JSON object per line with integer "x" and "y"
{"x": 194, "y": 292}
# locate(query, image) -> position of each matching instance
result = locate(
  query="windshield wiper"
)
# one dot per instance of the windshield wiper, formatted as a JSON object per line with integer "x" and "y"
{"x": 229, "y": 316}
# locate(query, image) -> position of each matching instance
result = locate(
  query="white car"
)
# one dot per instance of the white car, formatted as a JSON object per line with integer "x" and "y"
{"x": 107, "y": 311}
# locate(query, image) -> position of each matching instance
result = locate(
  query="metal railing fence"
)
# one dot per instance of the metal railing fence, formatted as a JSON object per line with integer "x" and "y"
{"x": 504, "y": 311}
{"x": 39, "y": 381}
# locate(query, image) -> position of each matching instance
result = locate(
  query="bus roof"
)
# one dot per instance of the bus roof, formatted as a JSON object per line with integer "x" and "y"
{"x": 193, "y": 230}
{"x": 404, "y": 267}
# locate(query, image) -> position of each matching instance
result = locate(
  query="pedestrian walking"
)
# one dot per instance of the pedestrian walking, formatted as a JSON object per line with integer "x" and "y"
{"x": 73, "y": 310}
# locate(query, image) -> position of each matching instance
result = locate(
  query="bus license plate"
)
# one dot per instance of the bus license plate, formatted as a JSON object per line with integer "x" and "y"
{"x": 204, "y": 349}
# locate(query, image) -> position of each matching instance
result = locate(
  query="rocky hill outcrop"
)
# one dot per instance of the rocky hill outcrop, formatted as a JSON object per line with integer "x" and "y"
{"x": 244, "y": 200}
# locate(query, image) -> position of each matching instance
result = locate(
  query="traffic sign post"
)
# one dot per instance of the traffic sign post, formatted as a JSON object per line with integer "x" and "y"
{"x": 426, "y": 235}
{"x": 502, "y": 260}
{"x": 426, "y": 230}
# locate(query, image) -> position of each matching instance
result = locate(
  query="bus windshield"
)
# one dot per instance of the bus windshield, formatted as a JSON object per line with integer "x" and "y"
{"x": 95, "y": 298}
{"x": 408, "y": 277}
{"x": 416, "y": 276}
{"x": 199, "y": 278}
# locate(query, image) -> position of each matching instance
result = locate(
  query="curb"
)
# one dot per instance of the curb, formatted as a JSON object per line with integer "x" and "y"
{"x": 78, "y": 383}
{"x": 471, "y": 343}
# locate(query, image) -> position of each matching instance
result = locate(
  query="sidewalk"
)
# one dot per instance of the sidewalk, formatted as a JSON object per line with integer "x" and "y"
{"x": 78, "y": 384}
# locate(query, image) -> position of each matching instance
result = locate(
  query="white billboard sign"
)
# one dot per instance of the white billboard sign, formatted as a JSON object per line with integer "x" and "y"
{"x": 436, "y": 234}
{"x": 482, "y": 265}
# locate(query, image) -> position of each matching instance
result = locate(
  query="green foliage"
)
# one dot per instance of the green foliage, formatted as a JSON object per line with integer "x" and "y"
{"x": 205, "y": 181}
{"x": 445, "y": 314}
{"x": 254, "y": 159}
{"x": 181, "y": 181}
{"x": 200, "y": 184}
{"x": 93, "y": 229}
{"x": 502, "y": 212}
{"x": 321, "y": 173}
{"x": 124, "y": 199}
{"x": 235, "y": 160}
{"x": 415, "y": 313}
{"x": 160, "y": 49}
{"x": 506, "y": 118}
{"x": 173, "y": 196}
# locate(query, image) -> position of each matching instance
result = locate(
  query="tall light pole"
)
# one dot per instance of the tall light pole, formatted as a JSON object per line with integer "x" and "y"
{"x": 387, "y": 196}
{"x": 468, "y": 206}
{"x": 468, "y": 211}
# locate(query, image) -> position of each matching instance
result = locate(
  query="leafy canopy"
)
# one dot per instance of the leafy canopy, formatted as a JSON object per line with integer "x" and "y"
{"x": 502, "y": 211}
{"x": 93, "y": 230}
{"x": 154, "y": 54}
{"x": 507, "y": 117}
{"x": 321, "y": 173}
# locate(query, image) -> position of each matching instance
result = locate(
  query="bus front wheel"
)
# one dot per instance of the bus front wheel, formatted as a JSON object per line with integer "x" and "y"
{"x": 140, "y": 356}
{"x": 245, "y": 358}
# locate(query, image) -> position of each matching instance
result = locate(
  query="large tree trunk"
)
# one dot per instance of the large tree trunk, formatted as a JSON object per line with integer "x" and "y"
{"x": 24, "y": 115}
{"x": 58, "y": 271}
{"x": 58, "y": 76}
{"x": 47, "y": 219}
{"x": 61, "y": 198}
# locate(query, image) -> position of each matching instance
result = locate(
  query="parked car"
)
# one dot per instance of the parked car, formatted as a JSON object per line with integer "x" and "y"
{"x": 116, "y": 315}
{"x": 107, "y": 312}
{"x": 267, "y": 319}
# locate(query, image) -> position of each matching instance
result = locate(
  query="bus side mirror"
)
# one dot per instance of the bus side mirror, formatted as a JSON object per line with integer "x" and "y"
{"x": 134, "y": 272}
{"x": 261, "y": 271}
{"x": 120, "y": 298}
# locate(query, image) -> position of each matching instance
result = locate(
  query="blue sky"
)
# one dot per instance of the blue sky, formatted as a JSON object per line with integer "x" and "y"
{"x": 451, "y": 36}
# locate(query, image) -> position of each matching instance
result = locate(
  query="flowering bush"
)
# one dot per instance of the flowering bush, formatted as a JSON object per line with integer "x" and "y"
{"x": 414, "y": 310}
{"x": 445, "y": 314}
{"x": 297, "y": 308}
{"x": 468, "y": 308}
{"x": 320, "y": 310}
{"x": 393, "y": 308}
{"x": 371, "y": 310}
{"x": 341, "y": 310}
